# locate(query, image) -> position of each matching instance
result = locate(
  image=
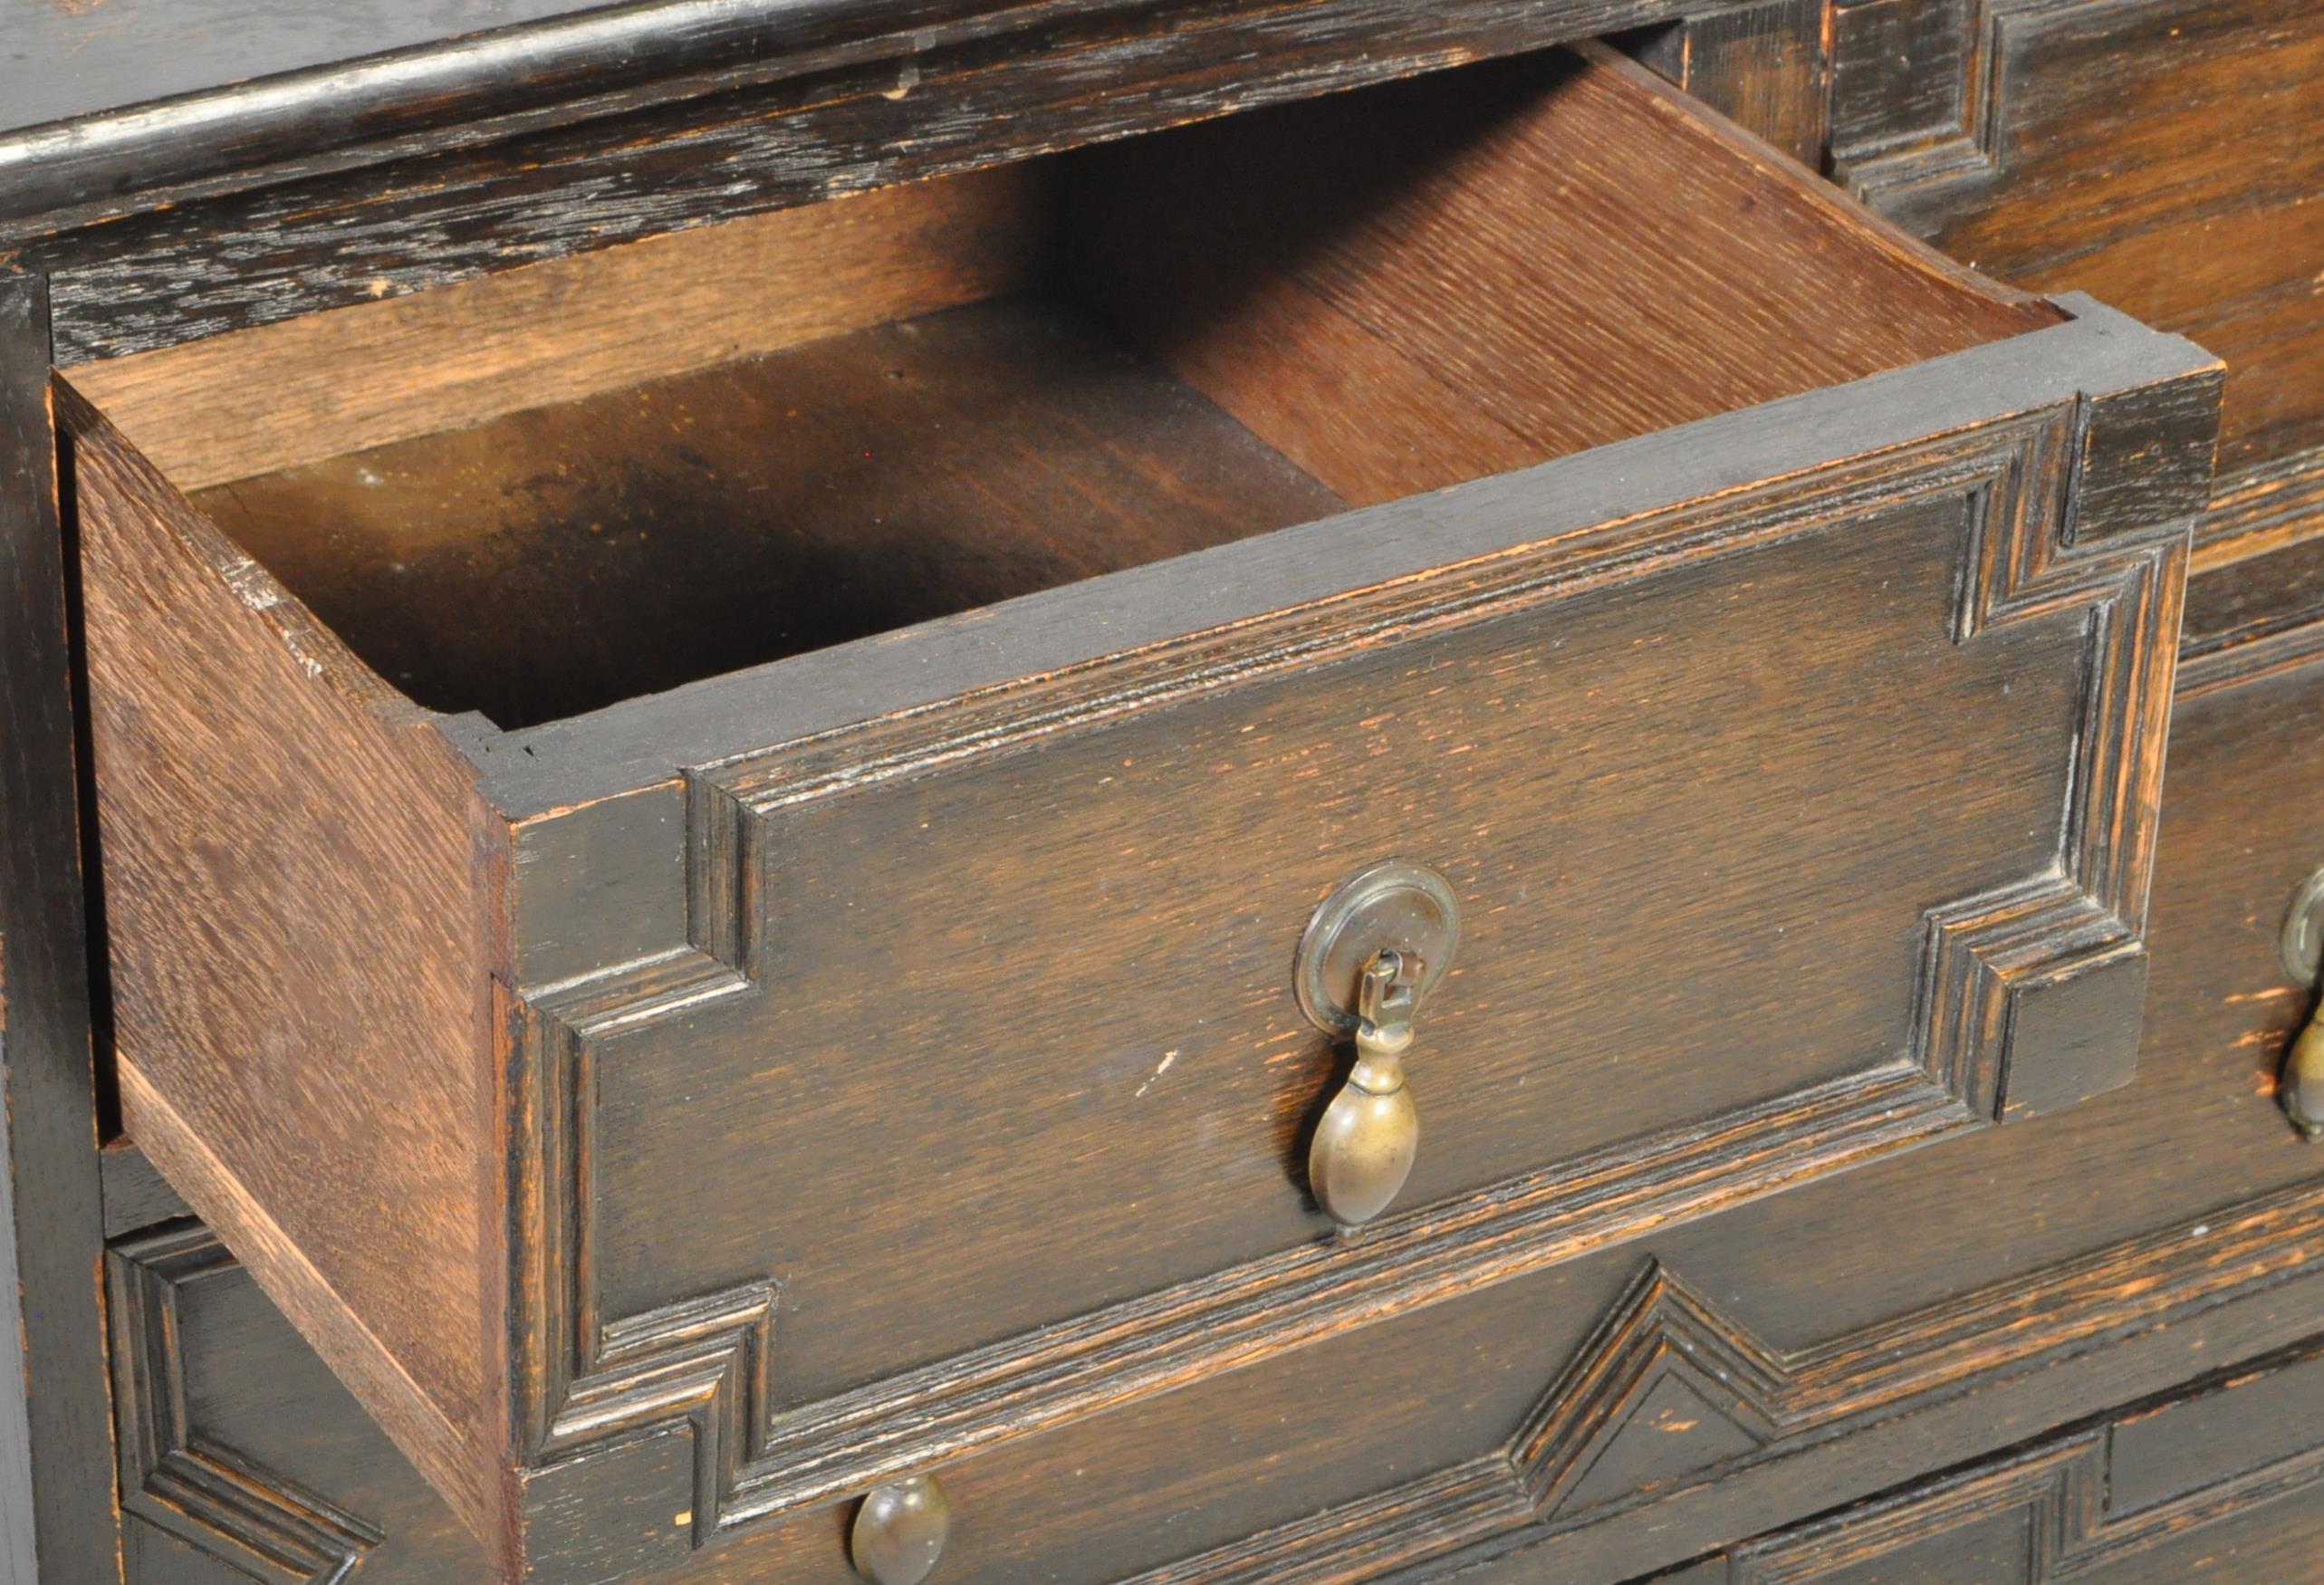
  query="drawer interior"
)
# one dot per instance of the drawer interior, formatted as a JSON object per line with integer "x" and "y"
{"x": 589, "y": 479}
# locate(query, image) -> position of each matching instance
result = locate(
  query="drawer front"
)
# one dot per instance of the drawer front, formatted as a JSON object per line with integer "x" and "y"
{"x": 1711, "y": 830}
{"x": 676, "y": 1121}
{"x": 2222, "y": 1482}
{"x": 1591, "y": 1424}
{"x": 991, "y": 1111}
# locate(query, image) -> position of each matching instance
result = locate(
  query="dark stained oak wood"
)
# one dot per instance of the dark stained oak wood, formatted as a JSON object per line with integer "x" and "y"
{"x": 741, "y": 1317}
{"x": 2258, "y": 610}
{"x": 542, "y": 338}
{"x": 1765, "y": 65}
{"x": 2151, "y": 152}
{"x": 136, "y": 1196}
{"x": 1101, "y": 1503}
{"x": 531, "y": 1067}
{"x": 2263, "y": 509}
{"x": 2224, "y": 1480}
{"x": 57, "y": 1522}
{"x": 2251, "y": 614}
{"x": 176, "y": 1477}
{"x": 577, "y": 326}
{"x": 2165, "y": 1455}
{"x": 1203, "y": 1113}
{"x": 2277, "y": 1540}
{"x": 836, "y": 112}
{"x": 151, "y": 1553}
{"x": 1470, "y": 308}
{"x": 2157, "y": 154}
{"x": 2198, "y": 1121}
{"x": 414, "y": 530}
{"x": 608, "y": 1095}
{"x": 158, "y": 106}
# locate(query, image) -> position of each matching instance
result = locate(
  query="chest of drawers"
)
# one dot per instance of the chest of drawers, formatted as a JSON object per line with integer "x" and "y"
{"x": 1244, "y": 793}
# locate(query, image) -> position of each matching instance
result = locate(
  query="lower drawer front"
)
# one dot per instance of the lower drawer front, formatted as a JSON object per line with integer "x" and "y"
{"x": 1587, "y": 1424}
{"x": 2222, "y": 1481}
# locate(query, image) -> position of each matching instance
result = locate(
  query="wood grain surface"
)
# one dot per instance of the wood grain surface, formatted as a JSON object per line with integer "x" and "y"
{"x": 1086, "y": 1506}
{"x": 331, "y": 383}
{"x": 1765, "y": 65}
{"x": 2158, "y": 153}
{"x": 842, "y": 114}
{"x": 299, "y": 886}
{"x": 1950, "y": 589}
{"x": 656, "y": 534}
{"x": 652, "y": 489}
{"x": 1516, "y": 262}
{"x": 1144, "y": 877}
{"x": 2262, "y": 509}
{"x": 271, "y": 803}
{"x": 2104, "y": 358}
{"x": 2222, "y": 1481}
{"x": 2199, "y": 1122}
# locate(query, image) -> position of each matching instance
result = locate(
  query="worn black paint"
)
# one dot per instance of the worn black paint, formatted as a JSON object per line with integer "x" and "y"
{"x": 56, "y": 1436}
{"x": 177, "y": 101}
{"x": 834, "y": 123}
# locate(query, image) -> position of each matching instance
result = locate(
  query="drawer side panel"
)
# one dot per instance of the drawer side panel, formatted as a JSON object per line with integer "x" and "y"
{"x": 299, "y": 888}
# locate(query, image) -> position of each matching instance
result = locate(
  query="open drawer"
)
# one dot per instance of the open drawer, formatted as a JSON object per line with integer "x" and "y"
{"x": 706, "y": 848}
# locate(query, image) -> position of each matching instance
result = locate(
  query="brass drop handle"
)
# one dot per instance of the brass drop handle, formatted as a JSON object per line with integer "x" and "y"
{"x": 900, "y": 1531}
{"x": 1366, "y": 961}
{"x": 2301, "y": 1090}
{"x": 1365, "y": 1144}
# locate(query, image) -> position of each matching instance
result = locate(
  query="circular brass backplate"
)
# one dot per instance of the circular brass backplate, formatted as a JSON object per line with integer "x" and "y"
{"x": 1392, "y": 904}
{"x": 2302, "y": 941}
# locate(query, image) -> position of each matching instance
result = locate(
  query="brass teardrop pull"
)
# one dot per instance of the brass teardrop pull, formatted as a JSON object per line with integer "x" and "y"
{"x": 1371, "y": 952}
{"x": 2300, "y": 1090}
{"x": 899, "y": 1531}
{"x": 1365, "y": 1144}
